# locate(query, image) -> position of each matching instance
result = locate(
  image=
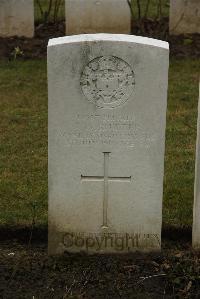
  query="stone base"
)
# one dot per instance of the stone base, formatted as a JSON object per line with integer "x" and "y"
{"x": 102, "y": 243}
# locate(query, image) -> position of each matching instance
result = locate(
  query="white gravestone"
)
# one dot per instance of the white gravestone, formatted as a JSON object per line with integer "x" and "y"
{"x": 96, "y": 16}
{"x": 184, "y": 16}
{"x": 107, "y": 111}
{"x": 16, "y": 18}
{"x": 196, "y": 210}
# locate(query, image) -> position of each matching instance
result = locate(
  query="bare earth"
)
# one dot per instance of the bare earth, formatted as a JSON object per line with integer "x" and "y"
{"x": 26, "y": 271}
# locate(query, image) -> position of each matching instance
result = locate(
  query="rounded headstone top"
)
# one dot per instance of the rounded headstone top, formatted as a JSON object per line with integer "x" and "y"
{"x": 109, "y": 37}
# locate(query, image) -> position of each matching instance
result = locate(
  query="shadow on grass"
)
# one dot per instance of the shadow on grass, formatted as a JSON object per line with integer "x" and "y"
{"x": 40, "y": 234}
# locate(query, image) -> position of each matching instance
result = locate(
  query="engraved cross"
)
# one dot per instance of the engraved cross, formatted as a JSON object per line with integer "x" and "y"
{"x": 105, "y": 179}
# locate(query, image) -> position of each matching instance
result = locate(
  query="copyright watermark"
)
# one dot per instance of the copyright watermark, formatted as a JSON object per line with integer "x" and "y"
{"x": 119, "y": 242}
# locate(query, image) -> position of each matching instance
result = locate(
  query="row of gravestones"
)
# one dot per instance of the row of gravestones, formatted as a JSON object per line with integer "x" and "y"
{"x": 107, "y": 117}
{"x": 92, "y": 16}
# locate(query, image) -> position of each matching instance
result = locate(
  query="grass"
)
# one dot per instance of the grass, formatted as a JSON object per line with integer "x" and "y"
{"x": 23, "y": 144}
{"x": 180, "y": 141}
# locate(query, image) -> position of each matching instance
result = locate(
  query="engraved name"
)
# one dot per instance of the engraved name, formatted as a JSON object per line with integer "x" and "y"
{"x": 106, "y": 129}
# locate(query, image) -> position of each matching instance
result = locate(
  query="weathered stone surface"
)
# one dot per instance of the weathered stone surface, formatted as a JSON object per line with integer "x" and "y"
{"x": 184, "y": 16}
{"x": 96, "y": 16}
{"x": 16, "y": 18}
{"x": 196, "y": 210}
{"x": 107, "y": 110}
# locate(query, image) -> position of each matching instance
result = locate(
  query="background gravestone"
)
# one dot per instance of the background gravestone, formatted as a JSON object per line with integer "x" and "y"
{"x": 184, "y": 16}
{"x": 92, "y": 16}
{"x": 107, "y": 111}
{"x": 16, "y": 18}
{"x": 196, "y": 212}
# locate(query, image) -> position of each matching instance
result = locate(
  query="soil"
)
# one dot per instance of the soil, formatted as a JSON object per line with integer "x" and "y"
{"x": 180, "y": 46}
{"x": 26, "y": 271}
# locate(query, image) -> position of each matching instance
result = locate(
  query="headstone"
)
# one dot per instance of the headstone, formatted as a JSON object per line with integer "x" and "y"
{"x": 107, "y": 111}
{"x": 97, "y": 16}
{"x": 184, "y": 16}
{"x": 196, "y": 210}
{"x": 16, "y": 18}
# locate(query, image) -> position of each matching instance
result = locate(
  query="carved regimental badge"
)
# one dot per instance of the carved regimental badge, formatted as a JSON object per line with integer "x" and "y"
{"x": 107, "y": 81}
